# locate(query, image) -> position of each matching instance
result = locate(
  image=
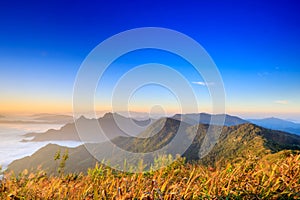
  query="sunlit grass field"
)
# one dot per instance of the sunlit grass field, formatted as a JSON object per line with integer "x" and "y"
{"x": 249, "y": 179}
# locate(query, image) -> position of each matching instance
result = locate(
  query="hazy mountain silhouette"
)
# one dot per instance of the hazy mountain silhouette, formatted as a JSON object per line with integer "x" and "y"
{"x": 112, "y": 125}
{"x": 205, "y": 118}
{"x": 277, "y": 124}
{"x": 10, "y": 121}
{"x": 53, "y": 118}
{"x": 42, "y": 118}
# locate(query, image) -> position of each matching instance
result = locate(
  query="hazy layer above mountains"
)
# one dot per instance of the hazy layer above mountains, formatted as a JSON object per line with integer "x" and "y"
{"x": 43, "y": 118}
{"x": 54, "y": 118}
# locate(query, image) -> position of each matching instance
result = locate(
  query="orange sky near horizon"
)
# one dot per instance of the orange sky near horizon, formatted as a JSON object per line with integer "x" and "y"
{"x": 65, "y": 107}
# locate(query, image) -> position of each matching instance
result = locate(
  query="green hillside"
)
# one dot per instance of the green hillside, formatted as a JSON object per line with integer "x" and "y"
{"x": 235, "y": 143}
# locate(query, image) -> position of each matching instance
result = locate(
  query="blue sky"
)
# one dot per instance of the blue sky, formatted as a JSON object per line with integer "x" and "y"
{"x": 254, "y": 44}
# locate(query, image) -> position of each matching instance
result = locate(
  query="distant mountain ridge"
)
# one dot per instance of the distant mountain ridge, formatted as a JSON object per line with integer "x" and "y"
{"x": 277, "y": 124}
{"x": 54, "y": 118}
{"x": 205, "y": 118}
{"x": 69, "y": 132}
{"x": 42, "y": 118}
{"x": 110, "y": 124}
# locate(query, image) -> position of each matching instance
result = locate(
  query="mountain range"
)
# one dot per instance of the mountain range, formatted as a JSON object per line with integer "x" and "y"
{"x": 204, "y": 143}
{"x": 277, "y": 124}
{"x": 134, "y": 127}
{"x": 128, "y": 125}
{"x": 112, "y": 125}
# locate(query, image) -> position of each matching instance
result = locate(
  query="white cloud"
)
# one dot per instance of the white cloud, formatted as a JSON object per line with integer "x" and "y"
{"x": 202, "y": 83}
{"x": 284, "y": 102}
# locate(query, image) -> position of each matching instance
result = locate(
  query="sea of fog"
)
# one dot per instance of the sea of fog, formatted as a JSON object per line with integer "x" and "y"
{"x": 11, "y": 135}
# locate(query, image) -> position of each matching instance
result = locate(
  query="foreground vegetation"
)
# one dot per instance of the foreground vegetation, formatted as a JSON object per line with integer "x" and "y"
{"x": 250, "y": 179}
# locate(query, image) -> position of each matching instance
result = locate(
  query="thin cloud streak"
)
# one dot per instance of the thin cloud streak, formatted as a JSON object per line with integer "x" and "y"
{"x": 202, "y": 83}
{"x": 283, "y": 102}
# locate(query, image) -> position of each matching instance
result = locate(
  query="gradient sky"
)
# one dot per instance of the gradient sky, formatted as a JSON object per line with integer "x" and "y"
{"x": 255, "y": 44}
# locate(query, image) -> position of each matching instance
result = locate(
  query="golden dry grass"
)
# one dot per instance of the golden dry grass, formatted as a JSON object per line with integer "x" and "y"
{"x": 247, "y": 180}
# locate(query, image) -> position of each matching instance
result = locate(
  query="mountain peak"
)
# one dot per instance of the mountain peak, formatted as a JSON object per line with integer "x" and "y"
{"x": 110, "y": 115}
{"x": 82, "y": 118}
